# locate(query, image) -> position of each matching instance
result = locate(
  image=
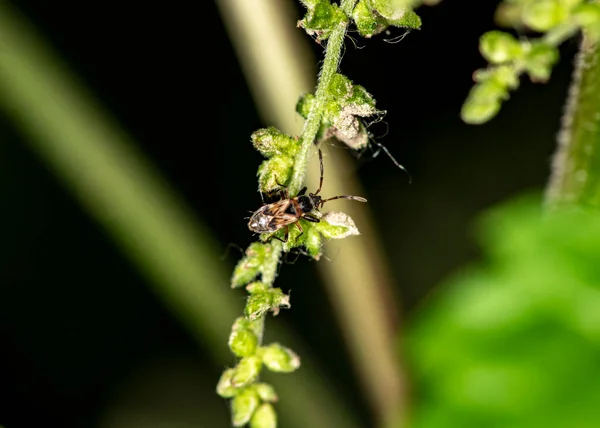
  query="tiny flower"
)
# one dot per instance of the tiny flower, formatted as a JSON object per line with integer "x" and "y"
{"x": 498, "y": 47}
{"x": 266, "y": 392}
{"x": 280, "y": 359}
{"x": 264, "y": 417}
{"x": 242, "y": 342}
{"x": 243, "y": 407}
{"x": 337, "y": 225}
{"x": 246, "y": 371}
{"x": 225, "y": 388}
{"x": 263, "y": 301}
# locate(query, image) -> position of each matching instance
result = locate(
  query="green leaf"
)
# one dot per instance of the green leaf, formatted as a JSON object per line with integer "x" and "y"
{"x": 514, "y": 341}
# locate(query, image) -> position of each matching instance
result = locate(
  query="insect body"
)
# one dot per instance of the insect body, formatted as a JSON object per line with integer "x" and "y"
{"x": 287, "y": 211}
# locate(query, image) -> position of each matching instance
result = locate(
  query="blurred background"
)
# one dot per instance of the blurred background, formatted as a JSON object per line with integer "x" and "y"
{"x": 87, "y": 342}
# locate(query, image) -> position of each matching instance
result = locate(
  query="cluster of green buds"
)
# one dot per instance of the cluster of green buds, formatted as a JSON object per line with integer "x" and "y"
{"x": 262, "y": 298}
{"x": 251, "y": 400}
{"x": 509, "y": 58}
{"x": 280, "y": 150}
{"x": 347, "y": 107}
{"x": 371, "y": 17}
{"x": 341, "y": 107}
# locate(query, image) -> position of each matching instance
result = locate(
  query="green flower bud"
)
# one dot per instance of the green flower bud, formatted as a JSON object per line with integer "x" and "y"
{"x": 367, "y": 23}
{"x": 280, "y": 359}
{"x": 322, "y": 18}
{"x": 270, "y": 142}
{"x": 540, "y": 60}
{"x": 313, "y": 243}
{"x": 309, "y": 4}
{"x": 242, "y": 342}
{"x": 542, "y": 15}
{"x": 249, "y": 266}
{"x": 360, "y": 99}
{"x": 275, "y": 172}
{"x": 304, "y": 104}
{"x": 268, "y": 300}
{"x": 264, "y": 417}
{"x": 505, "y": 76}
{"x": 587, "y": 15}
{"x": 256, "y": 287}
{"x": 498, "y": 47}
{"x": 337, "y": 225}
{"x": 476, "y": 113}
{"x": 490, "y": 90}
{"x": 340, "y": 86}
{"x": 409, "y": 20}
{"x": 266, "y": 392}
{"x": 391, "y": 9}
{"x": 243, "y": 407}
{"x": 225, "y": 388}
{"x": 244, "y": 323}
{"x": 246, "y": 371}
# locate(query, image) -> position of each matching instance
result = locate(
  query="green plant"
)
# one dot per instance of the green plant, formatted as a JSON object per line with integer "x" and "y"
{"x": 512, "y": 341}
{"x": 335, "y": 109}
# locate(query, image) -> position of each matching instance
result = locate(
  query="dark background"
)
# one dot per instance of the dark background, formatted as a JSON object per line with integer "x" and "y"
{"x": 76, "y": 319}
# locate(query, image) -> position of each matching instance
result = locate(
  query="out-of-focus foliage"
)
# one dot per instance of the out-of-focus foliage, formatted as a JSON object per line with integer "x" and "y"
{"x": 515, "y": 340}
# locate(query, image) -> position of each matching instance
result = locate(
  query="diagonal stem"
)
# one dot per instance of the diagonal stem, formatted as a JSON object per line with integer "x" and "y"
{"x": 333, "y": 55}
{"x": 575, "y": 178}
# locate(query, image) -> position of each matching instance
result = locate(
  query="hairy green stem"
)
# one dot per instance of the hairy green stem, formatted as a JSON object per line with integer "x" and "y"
{"x": 269, "y": 273}
{"x": 313, "y": 122}
{"x": 575, "y": 178}
{"x": 311, "y": 128}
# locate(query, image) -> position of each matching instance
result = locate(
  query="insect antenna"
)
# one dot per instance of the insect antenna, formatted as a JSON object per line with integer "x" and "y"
{"x": 387, "y": 152}
{"x": 228, "y": 250}
{"x": 354, "y": 198}
{"x": 322, "y": 171}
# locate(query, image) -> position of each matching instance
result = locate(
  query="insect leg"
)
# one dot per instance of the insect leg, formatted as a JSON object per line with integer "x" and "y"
{"x": 299, "y": 226}
{"x": 311, "y": 217}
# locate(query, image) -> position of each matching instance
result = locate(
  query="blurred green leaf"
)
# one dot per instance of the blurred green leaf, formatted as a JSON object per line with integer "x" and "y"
{"x": 514, "y": 341}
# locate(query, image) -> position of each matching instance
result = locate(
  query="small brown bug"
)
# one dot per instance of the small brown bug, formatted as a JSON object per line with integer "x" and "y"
{"x": 287, "y": 211}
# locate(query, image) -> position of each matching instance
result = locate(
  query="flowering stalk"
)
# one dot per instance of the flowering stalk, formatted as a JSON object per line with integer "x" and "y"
{"x": 335, "y": 98}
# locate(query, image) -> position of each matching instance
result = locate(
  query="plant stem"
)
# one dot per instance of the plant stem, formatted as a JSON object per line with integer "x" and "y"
{"x": 269, "y": 273}
{"x": 575, "y": 178}
{"x": 313, "y": 122}
{"x": 311, "y": 128}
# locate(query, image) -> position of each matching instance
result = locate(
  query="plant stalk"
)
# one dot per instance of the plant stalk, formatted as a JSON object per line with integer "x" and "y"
{"x": 333, "y": 55}
{"x": 575, "y": 178}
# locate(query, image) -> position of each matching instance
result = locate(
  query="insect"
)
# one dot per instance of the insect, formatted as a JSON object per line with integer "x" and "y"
{"x": 288, "y": 211}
